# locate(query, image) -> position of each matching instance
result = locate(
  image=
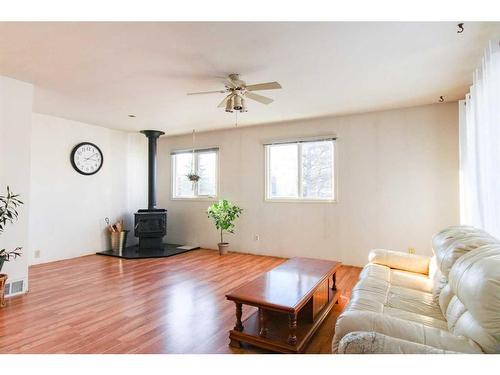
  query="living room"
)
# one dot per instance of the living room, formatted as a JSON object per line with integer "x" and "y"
{"x": 249, "y": 187}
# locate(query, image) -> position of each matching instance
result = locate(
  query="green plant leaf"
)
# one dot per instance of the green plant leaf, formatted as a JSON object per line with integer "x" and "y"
{"x": 8, "y": 208}
{"x": 223, "y": 214}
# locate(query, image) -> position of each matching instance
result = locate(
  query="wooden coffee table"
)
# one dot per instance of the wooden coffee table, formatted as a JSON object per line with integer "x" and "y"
{"x": 293, "y": 299}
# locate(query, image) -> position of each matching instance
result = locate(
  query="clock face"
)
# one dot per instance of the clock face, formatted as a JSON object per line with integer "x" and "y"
{"x": 86, "y": 158}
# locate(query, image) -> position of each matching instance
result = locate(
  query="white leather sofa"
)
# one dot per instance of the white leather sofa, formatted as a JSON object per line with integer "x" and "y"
{"x": 447, "y": 303}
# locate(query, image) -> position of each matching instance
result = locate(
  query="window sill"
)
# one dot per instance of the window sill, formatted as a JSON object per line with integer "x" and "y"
{"x": 195, "y": 199}
{"x": 292, "y": 200}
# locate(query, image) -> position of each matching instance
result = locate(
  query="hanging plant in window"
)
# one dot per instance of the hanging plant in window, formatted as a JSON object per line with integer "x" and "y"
{"x": 192, "y": 176}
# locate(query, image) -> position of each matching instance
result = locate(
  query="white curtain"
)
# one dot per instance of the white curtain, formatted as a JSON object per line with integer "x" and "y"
{"x": 479, "y": 118}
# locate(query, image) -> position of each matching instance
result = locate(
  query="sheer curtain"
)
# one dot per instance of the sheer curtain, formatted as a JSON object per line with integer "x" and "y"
{"x": 479, "y": 119}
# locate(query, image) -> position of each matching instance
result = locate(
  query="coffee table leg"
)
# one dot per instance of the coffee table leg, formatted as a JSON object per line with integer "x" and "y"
{"x": 234, "y": 343}
{"x": 292, "y": 329}
{"x": 262, "y": 323}
{"x": 238, "y": 326}
{"x": 334, "y": 285}
{"x": 334, "y": 281}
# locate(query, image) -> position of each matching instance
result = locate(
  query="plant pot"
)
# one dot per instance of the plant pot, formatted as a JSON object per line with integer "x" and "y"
{"x": 223, "y": 248}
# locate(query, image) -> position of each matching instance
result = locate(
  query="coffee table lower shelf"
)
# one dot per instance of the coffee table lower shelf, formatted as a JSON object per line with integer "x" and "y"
{"x": 276, "y": 338}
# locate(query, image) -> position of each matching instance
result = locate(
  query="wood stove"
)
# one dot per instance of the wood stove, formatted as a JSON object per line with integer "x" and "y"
{"x": 151, "y": 223}
{"x": 150, "y": 227}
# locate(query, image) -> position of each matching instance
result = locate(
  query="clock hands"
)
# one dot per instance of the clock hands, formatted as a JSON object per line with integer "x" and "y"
{"x": 91, "y": 156}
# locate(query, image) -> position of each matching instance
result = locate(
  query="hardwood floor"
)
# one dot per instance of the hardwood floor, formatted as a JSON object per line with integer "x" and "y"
{"x": 98, "y": 304}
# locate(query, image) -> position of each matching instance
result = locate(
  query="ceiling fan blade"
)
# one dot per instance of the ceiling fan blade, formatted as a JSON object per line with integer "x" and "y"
{"x": 264, "y": 86}
{"x": 207, "y": 92}
{"x": 223, "y": 103}
{"x": 259, "y": 98}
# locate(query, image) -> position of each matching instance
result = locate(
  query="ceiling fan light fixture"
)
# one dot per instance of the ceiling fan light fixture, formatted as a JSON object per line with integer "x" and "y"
{"x": 229, "y": 105}
{"x": 237, "y": 103}
{"x": 243, "y": 106}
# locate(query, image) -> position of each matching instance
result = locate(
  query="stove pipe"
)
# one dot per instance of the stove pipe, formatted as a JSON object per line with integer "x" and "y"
{"x": 152, "y": 136}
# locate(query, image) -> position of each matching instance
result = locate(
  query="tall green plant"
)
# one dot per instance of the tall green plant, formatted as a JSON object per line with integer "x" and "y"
{"x": 9, "y": 205}
{"x": 8, "y": 208}
{"x": 224, "y": 214}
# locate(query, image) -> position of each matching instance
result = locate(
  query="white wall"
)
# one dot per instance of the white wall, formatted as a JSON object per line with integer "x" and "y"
{"x": 16, "y": 100}
{"x": 67, "y": 208}
{"x": 398, "y": 185}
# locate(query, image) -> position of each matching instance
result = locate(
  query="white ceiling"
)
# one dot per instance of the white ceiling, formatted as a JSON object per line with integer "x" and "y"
{"x": 100, "y": 72}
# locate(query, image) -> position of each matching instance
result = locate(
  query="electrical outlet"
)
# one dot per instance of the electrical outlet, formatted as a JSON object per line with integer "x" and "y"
{"x": 256, "y": 237}
{"x": 412, "y": 250}
{"x": 37, "y": 253}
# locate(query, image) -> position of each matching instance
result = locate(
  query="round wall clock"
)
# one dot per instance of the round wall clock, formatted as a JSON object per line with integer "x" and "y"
{"x": 86, "y": 158}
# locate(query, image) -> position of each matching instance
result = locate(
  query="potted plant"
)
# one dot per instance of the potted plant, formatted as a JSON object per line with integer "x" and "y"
{"x": 193, "y": 177}
{"x": 224, "y": 214}
{"x": 8, "y": 214}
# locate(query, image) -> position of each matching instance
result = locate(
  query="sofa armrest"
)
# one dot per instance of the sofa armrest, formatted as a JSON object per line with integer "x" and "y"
{"x": 377, "y": 343}
{"x": 401, "y": 261}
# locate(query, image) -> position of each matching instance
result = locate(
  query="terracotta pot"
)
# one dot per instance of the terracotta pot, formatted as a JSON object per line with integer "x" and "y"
{"x": 223, "y": 248}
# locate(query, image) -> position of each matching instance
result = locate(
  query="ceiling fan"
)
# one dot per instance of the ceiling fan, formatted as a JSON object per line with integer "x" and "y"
{"x": 237, "y": 91}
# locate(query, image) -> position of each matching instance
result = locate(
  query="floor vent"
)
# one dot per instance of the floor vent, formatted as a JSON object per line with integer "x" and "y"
{"x": 15, "y": 287}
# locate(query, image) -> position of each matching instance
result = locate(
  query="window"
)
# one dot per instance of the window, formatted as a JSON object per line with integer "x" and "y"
{"x": 204, "y": 163}
{"x": 301, "y": 170}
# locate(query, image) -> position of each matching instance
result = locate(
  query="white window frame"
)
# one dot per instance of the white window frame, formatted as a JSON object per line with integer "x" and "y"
{"x": 300, "y": 199}
{"x": 173, "y": 174}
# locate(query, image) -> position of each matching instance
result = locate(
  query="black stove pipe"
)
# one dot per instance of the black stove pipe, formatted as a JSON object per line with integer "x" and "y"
{"x": 152, "y": 136}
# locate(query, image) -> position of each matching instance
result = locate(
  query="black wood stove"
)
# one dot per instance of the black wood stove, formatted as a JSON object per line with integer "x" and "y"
{"x": 150, "y": 225}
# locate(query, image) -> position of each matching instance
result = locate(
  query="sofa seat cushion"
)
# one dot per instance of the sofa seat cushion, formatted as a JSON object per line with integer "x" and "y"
{"x": 367, "y": 321}
{"x": 396, "y": 277}
{"x": 414, "y": 301}
{"x": 377, "y": 295}
{"x": 377, "y": 343}
{"x": 411, "y": 280}
{"x": 376, "y": 270}
{"x": 415, "y": 317}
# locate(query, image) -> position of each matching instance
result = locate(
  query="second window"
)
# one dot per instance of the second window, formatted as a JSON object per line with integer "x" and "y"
{"x": 301, "y": 170}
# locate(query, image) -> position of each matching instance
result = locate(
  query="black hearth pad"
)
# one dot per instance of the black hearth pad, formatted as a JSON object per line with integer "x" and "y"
{"x": 134, "y": 253}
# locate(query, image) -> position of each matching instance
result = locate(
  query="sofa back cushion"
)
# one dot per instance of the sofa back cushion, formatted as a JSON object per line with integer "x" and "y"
{"x": 456, "y": 244}
{"x": 449, "y": 245}
{"x": 473, "y": 293}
